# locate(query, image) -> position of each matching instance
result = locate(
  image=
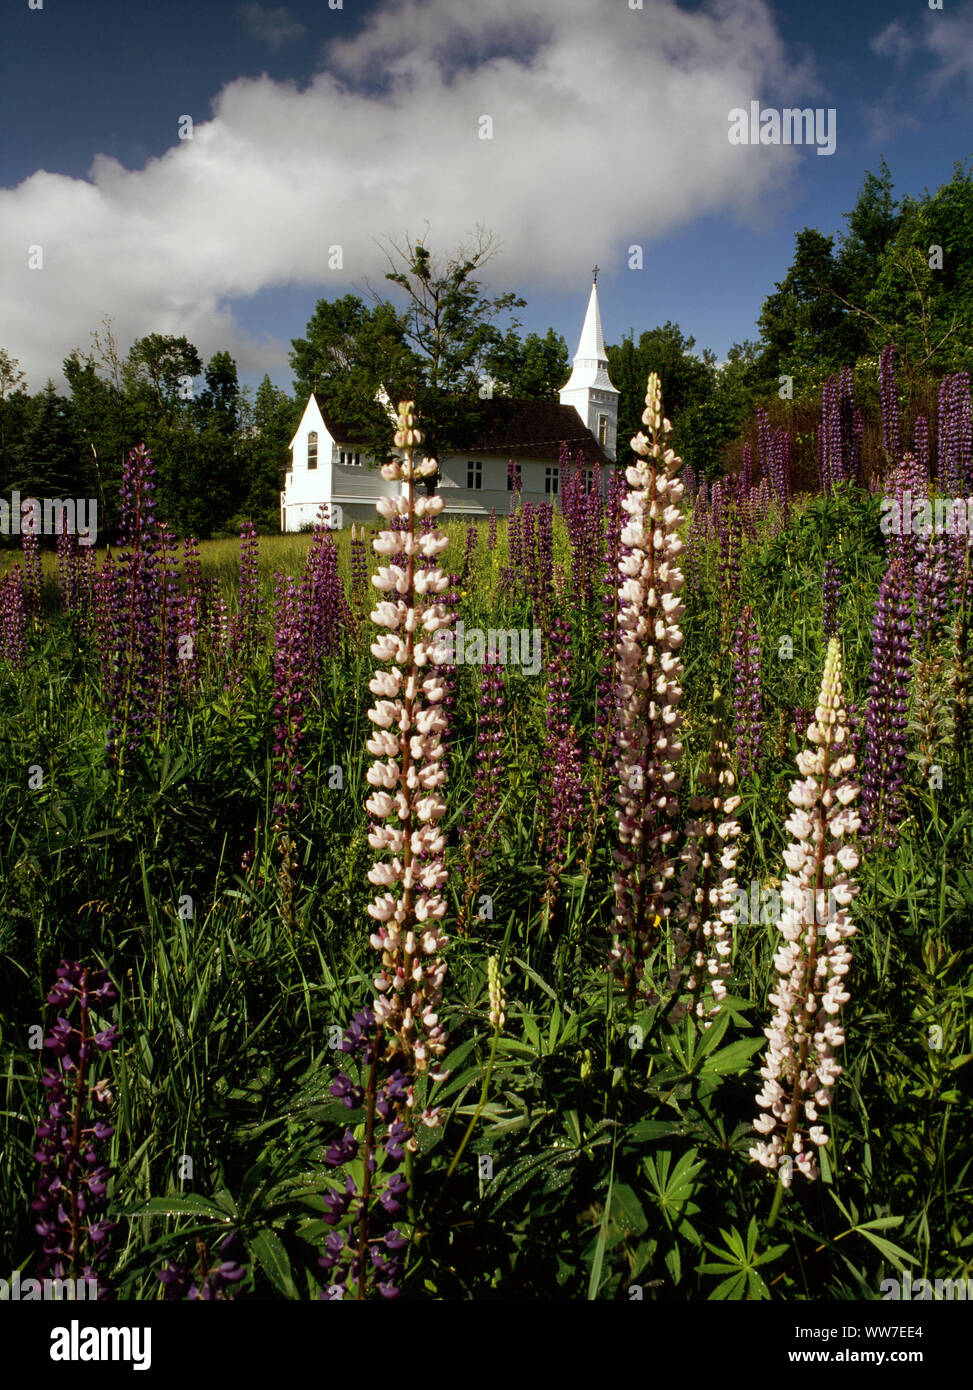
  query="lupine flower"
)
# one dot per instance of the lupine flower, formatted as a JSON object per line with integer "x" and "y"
{"x": 907, "y": 485}
{"x": 209, "y": 1282}
{"x": 649, "y": 691}
{"x": 291, "y": 695}
{"x": 888, "y": 701}
{"x": 329, "y": 616}
{"x": 470, "y": 553}
{"x": 513, "y": 474}
{"x": 703, "y": 940}
{"x": 813, "y": 959}
{"x": 133, "y": 604}
{"x": 363, "y": 1248}
{"x": 246, "y": 628}
{"x": 955, "y": 436}
{"x": 190, "y": 616}
{"x": 890, "y": 404}
{"x": 830, "y": 462}
{"x": 13, "y": 619}
{"x": 359, "y": 570}
{"x": 407, "y": 774}
{"x": 33, "y": 572}
{"x": 498, "y": 1003}
{"x": 483, "y": 828}
{"x": 67, "y": 567}
{"x": 561, "y": 790}
{"x": 831, "y": 595}
{"x": 72, "y": 1186}
{"x": 746, "y": 692}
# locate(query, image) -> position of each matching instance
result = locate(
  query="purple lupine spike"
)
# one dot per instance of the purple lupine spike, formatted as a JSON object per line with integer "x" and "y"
{"x": 291, "y": 695}
{"x": 746, "y": 467}
{"x": 362, "y": 1218}
{"x": 516, "y": 483}
{"x": 885, "y": 719}
{"x": 746, "y": 692}
{"x": 484, "y": 829}
{"x": 830, "y": 461}
{"x": 907, "y": 488}
{"x": 33, "y": 571}
{"x": 765, "y": 441}
{"x": 246, "y": 628}
{"x": 890, "y": 404}
{"x": 209, "y": 1281}
{"x": 852, "y": 426}
{"x": 67, "y": 566}
{"x": 802, "y": 718}
{"x": 831, "y": 597}
{"x": 955, "y": 436}
{"x": 780, "y": 473}
{"x": 71, "y": 1200}
{"x": 921, "y": 443}
{"x": 470, "y": 554}
{"x": 611, "y": 552}
{"x": 13, "y": 619}
{"x": 544, "y": 569}
{"x": 190, "y": 616}
{"x": 140, "y": 615}
{"x": 931, "y": 587}
{"x": 359, "y": 571}
{"x": 330, "y": 616}
{"x": 561, "y": 796}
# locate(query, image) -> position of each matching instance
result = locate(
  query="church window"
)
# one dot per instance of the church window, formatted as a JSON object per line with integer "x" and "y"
{"x": 551, "y": 481}
{"x": 474, "y": 474}
{"x": 349, "y": 459}
{"x": 312, "y": 449}
{"x": 603, "y": 430}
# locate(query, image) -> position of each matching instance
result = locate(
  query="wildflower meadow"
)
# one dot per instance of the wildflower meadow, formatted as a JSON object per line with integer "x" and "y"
{"x": 347, "y": 952}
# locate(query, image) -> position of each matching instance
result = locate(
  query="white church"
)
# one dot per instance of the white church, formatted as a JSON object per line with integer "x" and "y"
{"x": 330, "y": 469}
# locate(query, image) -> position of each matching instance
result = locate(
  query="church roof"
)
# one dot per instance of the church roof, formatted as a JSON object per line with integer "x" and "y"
{"x": 510, "y": 427}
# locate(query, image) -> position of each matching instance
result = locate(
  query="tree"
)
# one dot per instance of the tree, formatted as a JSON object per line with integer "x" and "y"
{"x": 11, "y": 377}
{"x": 158, "y": 377}
{"x": 533, "y": 368}
{"x": 687, "y": 379}
{"x": 451, "y": 328}
{"x": 268, "y": 427}
{"x": 218, "y": 405}
{"x": 805, "y": 321}
{"x": 350, "y": 351}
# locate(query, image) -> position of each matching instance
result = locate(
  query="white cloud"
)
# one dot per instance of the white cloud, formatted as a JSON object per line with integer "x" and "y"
{"x": 272, "y": 27}
{"x": 947, "y": 39}
{"x": 610, "y": 127}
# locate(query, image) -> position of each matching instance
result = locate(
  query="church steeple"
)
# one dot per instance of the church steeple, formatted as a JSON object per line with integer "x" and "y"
{"x": 589, "y": 388}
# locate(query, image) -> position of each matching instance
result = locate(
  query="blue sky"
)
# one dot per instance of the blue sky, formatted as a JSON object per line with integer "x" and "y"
{"x": 316, "y": 127}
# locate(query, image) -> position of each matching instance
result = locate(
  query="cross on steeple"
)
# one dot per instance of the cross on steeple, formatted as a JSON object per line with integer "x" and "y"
{"x": 594, "y": 274}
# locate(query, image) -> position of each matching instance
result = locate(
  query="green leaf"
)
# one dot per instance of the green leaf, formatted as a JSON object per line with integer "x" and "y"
{"x": 185, "y": 1204}
{"x": 266, "y": 1246}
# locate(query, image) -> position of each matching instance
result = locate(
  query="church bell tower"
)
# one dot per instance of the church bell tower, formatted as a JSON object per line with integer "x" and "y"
{"x": 589, "y": 388}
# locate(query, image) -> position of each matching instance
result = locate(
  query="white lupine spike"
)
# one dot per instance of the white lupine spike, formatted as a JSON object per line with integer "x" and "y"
{"x": 410, "y": 722}
{"x": 815, "y": 961}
